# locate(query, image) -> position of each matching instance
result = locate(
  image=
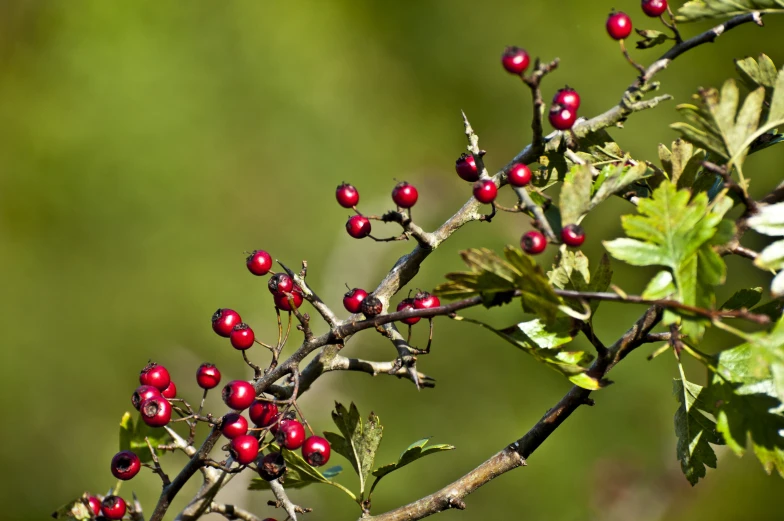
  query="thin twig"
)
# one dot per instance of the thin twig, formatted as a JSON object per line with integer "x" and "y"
{"x": 232, "y": 512}
{"x": 156, "y": 464}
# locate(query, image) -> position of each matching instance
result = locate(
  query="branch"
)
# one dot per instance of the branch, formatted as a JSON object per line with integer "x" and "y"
{"x": 232, "y": 512}
{"x": 284, "y": 502}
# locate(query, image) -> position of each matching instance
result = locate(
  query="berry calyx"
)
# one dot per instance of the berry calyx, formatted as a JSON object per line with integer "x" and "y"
{"x": 358, "y": 226}
{"x": 280, "y": 283}
{"x": 533, "y": 242}
{"x": 282, "y": 299}
{"x": 242, "y": 336}
{"x": 573, "y": 235}
{"x": 568, "y": 98}
{"x": 619, "y": 25}
{"x": 425, "y": 300}
{"x": 371, "y": 306}
{"x": 170, "y": 391}
{"x": 406, "y": 305}
{"x": 353, "y": 298}
{"x": 347, "y": 195}
{"x": 113, "y": 507}
{"x": 208, "y": 376}
{"x": 316, "y": 451}
{"x": 125, "y": 465}
{"x": 485, "y": 191}
{"x": 244, "y": 449}
{"x": 224, "y": 320}
{"x": 156, "y": 411}
{"x": 259, "y": 262}
{"x": 238, "y": 394}
{"x": 405, "y": 195}
{"x": 519, "y": 175}
{"x": 561, "y": 118}
{"x": 291, "y": 434}
{"x": 272, "y": 466}
{"x": 466, "y": 168}
{"x": 515, "y": 60}
{"x": 155, "y": 375}
{"x": 233, "y": 425}
{"x": 95, "y": 505}
{"x": 142, "y": 393}
{"x": 654, "y": 8}
{"x": 263, "y": 414}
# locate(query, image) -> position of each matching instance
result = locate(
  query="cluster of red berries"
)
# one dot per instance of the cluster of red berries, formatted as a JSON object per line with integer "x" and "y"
{"x": 111, "y": 507}
{"x": 619, "y": 24}
{"x": 283, "y": 289}
{"x": 535, "y": 242}
{"x": 422, "y": 300}
{"x": 404, "y": 195}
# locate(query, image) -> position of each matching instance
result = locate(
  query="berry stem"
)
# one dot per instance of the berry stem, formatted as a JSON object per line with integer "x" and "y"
{"x": 672, "y": 26}
{"x": 629, "y": 58}
{"x": 203, "y": 398}
{"x": 257, "y": 372}
{"x": 157, "y": 466}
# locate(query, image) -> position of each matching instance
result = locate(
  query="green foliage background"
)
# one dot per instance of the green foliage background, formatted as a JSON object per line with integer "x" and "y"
{"x": 145, "y": 145}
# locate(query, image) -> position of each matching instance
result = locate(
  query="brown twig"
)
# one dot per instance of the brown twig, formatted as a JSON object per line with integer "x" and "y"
{"x": 231, "y": 512}
{"x": 156, "y": 464}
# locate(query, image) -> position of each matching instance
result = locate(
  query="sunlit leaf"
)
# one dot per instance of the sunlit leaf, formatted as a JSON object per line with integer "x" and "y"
{"x": 413, "y": 452}
{"x": 358, "y": 441}
{"x": 575, "y": 194}
{"x": 696, "y": 10}
{"x": 76, "y": 509}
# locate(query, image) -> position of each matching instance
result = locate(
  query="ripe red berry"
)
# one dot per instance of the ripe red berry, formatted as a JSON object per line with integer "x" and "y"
{"x": 405, "y": 195}
{"x": 347, "y": 195}
{"x": 619, "y": 25}
{"x": 263, "y": 414}
{"x": 272, "y": 466}
{"x": 425, "y": 300}
{"x": 654, "y": 8}
{"x": 279, "y": 283}
{"x": 515, "y": 60}
{"x": 142, "y": 393}
{"x": 95, "y": 505}
{"x": 224, "y": 320}
{"x": 291, "y": 434}
{"x": 353, "y": 298}
{"x": 567, "y": 98}
{"x": 562, "y": 118}
{"x": 113, "y": 507}
{"x": 371, "y": 306}
{"x": 519, "y": 175}
{"x": 533, "y": 242}
{"x": 358, "y": 226}
{"x": 259, "y": 262}
{"x": 170, "y": 392}
{"x": 316, "y": 451}
{"x": 238, "y": 394}
{"x": 156, "y": 411}
{"x": 242, "y": 336}
{"x": 155, "y": 375}
{"x": 466, "y": 168}
{"x": 244, "y": 449}
{"x": 208, "y": 376}
{"x": 125, "y": 465}
{"x": 233, "y": 425}
{"x": 406, "y": 305}
{"x": 485, "y": 191}
{"x": 573, "y": 235}
{"x": 282, "y": 299}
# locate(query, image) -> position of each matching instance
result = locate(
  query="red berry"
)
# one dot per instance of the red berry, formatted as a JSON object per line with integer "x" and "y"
{"x": 259, "y": 262}
{"x": 573, "y": 235}
{"x": 95, "y": 505}
{"x": 238, "y": 394}
{"x": 485, "y": 191}
{"x": 224, "y": 320}
{"x": 406, "y": 305}
{"x": 208, "y": 376}
{"x": 113, "y": 507}
{"x": 291, "y": 434}
{"x": 316, "y": 451}
{"x": 405, "y": 195}
{"x": 562, "y": 118}
{"x": 263, "y": 414}
{"x": 282, "y": 299}
{"x": 425, "y": 300}
{"x": 156, "y": 411}
{"x": 466, "y": 168}
{"x": 279, "y": 283}
{"x": 125, "y": 465}
{"x": 567, "y": 98}
{"x": 515, "y": 60}
{"x": 654, "y": 8}
{"x": 155, "y": 375}
{"x": 142, "y": 393}
{"x": 170, "y": 392}
{"x": 533, "y": 242}
{"x": 358, "y": 226}
{"x": 347, "y": 195}
{"x": 352, "y": 300}
{"x": 619, "y": 25}
{"x": 242, "y": 336}
{"x": 519, "y": 175}
{"x": 244, "y": 449}
{"x": 233, "y": 425}
{"x": 272, "y": 466}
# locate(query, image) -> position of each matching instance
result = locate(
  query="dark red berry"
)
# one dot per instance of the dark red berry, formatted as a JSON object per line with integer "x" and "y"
{"x": 224, "y": 320}
{"x": 156, "y": 411}
{"x": 208, "y": 376}
{"x": 280, "y": 283}
{"x": 619, "y": 25}
{"x": 533, "y": 242}
{"x": 347, "y": 195}
{"x": 515, "y": 60}
{"x": 371, "y": 306}
{"x": 485, "y": 191}
{"x": 272, "y": 466}
{"x": 654, "y": 8}
{"x": 282, "y": 299}
{"x": 263, "y": 414}
{"x": 519, "y": 175}
{"x": 242, "y": 336}
{"x": 259, "y": 262}
{"x": 142, "y": 393}
{"x": 352, "y": 300}
{"x": 567, "y": 98}
{"x": 244, "y": 449}
{"x": 170, "y": 392}
{"x": 406, "y": 305}
{"x": 358, "y": 226}
{"x": 425, "y": 300}
{"x": 238, "y": 394}
{"x": 562, "y": 118}
{"x": 291, "y": 434}
{"x": 95, "y": 505}
{"x": 233, "y": 425}
{"x": 155, "y": 375}
{"x": 405, "y": 195}
{"x": 466, "y": 168}
{"x": 113, "y": 507}
{"x": 573, "y": 235}
{"x": 125, "y": 465}
{"x": 316, "y": 451}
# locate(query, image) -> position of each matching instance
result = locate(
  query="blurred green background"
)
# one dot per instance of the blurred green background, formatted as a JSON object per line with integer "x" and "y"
{"x": 146, "y": 145}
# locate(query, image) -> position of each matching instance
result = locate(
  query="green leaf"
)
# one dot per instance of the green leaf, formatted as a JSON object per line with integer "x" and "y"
{"x": 772, "y": 257}
{"x": 769, "y": 220}
{"x": 614, "y": 179}
{"x": 412, "y": 453}
{"x": 359, "y": 441}
{"x": 651, "y": 38}
{"x": 696, "y": 10}
{"x": 575, "y": 194}
{"x": 571, "y": 272}
{"x": 132, "y": 436}
{"x": 743, "y": 299}
{"x": 683, "y": 163}
{"x": 660, "y": 286}
{"x": 76, "y": 509}
{"x": 298, "y": 473}
{"x": 757, "y": 73}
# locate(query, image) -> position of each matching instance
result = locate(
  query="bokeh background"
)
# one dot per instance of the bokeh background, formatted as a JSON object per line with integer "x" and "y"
{"x": 144, "y": 146}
